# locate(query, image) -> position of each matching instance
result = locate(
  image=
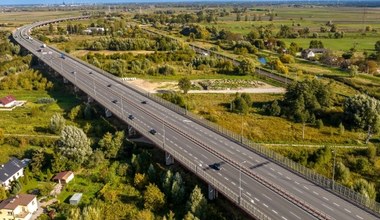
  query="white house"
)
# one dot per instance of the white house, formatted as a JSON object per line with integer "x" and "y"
{"x": 7, "y": 101}
{"x": 20, "y": 207}
{"x": 11, "y": 171}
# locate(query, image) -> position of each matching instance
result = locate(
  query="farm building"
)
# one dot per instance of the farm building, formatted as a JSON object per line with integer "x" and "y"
{"x": 64, "y": 177}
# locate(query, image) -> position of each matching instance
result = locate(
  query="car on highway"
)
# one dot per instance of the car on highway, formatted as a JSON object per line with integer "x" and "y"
{"x": 114, "y": 101}
{"x": 131, "y": 117}
{"x": 215, "y": 166}
{"x": 109, "y": 85}
{"x": 73, "y": 72}
{"x": 152, "y": 131}
{"x": 144, "y": 102}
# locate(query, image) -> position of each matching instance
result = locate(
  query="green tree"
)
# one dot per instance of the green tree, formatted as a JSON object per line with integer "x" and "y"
{"x": 316, "y": 44}
{"x": 353, "y": 70}
{"x": 247, "y": 67}
{"x": 239, "y": 105}
{"x": 111, "y": 144}
{"x": 167, "y": 182}
{"x": 74, "y": 214}
{"x": 178, "y": 190}
{"x": 154, "y": 199}
{"x": 3, "y": 193}
{"x": 190, "y": 216}
{"x": 342, "y": 173}
{"x": 377, "y": 46}
{"x": 371, "y": 153}
{"x": 37, "y": 161}
{"x": 363, "y": 112}
{"x": 140, "y": 180}
{"x": 91, "y": 213}
{"x": 1, "y": 136}
{"x": 57, "y": 122}
{"x": 144, "y": 215}
{"x": 303, "y": 100}
{"x": 75, "y": 112}
{"x": 74, "y": 144}
{"x": 365, "y": 188}
{"x": 152, "y": 174}
{"x": 197, "y": 202}
{"x": 184, "y": 84}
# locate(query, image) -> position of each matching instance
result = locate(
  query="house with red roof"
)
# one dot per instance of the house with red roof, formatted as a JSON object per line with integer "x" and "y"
{"x": 7, "y": 101}
{"x": 64, "y": 177}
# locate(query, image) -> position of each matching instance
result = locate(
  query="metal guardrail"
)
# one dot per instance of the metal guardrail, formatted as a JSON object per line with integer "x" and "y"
{"x": 338, "y": 189}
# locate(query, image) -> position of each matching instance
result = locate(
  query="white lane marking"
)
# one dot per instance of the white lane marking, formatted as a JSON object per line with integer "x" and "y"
{"x": 249, "y": 194}
{"x": 174, "y": 137}
{"x": 327, "y": 207}
{"x": 288, "y": 178}
{"x": 359, "y": 216}
{"x": 226, "y": 178}
{"x": 272, "y": 175}
{"x": 244, "y": 154}
{"x": 244, "y": 182}
{"x": 347, "y": 210}
{"x": 265, "y": 205}
{"x": 219, "y": 174}
{"x": 325, "y": 198}
{"x": 336, "y": 204}
{"x": 266, "y": 196}
{"x": 279, "y": 173}
{"x": 233, "y": 183}
{"x": 196, "y": 158}
{"x": 295, "y": 215}
{"x": 297, "y": 190}
{"x": 305, "y": 187}
{"x": 204, "y": 156}
{"x": 257, "y": 161}
{"x": 257, "y": 199}
{"x": 315, "y": 193}
{"x": 284, "y": 218}
{"x": 190, "y": 154}
{"x": 272, "y": 169}
{"x": 251, "y": 158}
{"x": 185, "y": 151}
{"x": 274, "y": 211}
{"x": 297, "y": 182}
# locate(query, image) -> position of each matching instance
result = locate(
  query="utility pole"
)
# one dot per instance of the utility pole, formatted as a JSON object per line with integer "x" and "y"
{"x": 333, "y": 171}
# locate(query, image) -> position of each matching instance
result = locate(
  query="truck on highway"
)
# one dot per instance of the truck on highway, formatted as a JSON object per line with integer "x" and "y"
{"x": 43, "y": 45}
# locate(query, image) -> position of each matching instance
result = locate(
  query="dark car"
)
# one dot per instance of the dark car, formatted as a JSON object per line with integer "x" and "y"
{"x": 131, "y": 117}
{"x": 109, "y": 85}
{"x": 90, "y": 72}
{"x": 114, "y": 101}
{"x": 152, "y": 131}
{"x": 215, "y": 166}
{"x": 73, "y": 72}
{"x": 143, "y": 102}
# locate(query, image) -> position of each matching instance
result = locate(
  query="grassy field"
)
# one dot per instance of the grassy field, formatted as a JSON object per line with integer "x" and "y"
{"x": 22, "y": 121}
{"x": 16, "y": 19}
{"x": 262, "y": 128}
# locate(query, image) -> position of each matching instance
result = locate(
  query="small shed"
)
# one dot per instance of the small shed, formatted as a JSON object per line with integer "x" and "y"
{"x": 75, "y": 199}
{"x": 64, "y": 177}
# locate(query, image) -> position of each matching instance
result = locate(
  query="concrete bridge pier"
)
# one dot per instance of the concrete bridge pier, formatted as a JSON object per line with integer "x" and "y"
{"x": 169, "y": 159}
{"x": 65, "y": 81}
{"x": 131, "y": 131}
{"x": 76, "y": 89}
{"x": 90, "y": 99}
{"x": 108, "y": 113}
{"x": 212, "y": 193}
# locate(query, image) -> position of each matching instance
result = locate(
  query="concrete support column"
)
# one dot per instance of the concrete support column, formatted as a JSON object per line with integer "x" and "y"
{"x": 169, "y": 160}
{"x": 131, "y": 131}
{"x": 212, "y": 193}
{"x": 108, "y": 113}
{"x": 90, "y": 99}
{"x": 76, "y": 89}
{"x": 65, "y": 81}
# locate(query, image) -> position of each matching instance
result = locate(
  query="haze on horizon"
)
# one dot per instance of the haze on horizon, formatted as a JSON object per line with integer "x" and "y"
{"x": 68, "y": 2}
